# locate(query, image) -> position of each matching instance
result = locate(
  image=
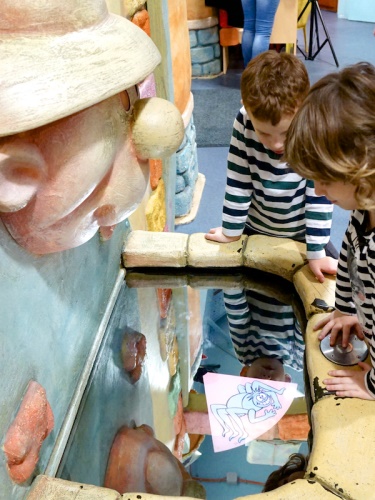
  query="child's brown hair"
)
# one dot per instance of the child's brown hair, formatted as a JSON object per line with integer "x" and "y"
{"x": 274, "y": 85}
{"x": 332, "y": 136}
{"x": 296, "y": 463}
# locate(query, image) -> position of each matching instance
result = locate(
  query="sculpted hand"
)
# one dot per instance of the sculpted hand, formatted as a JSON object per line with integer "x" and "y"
{"x": 216, "y": 234}
{"x": 338, "y": 323}
{"x": 325, "y": 265}
{"x": 348, "y": 383}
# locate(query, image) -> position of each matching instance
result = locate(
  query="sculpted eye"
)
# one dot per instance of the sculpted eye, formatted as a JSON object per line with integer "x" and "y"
{"x": 128, "y": 98}
{"x": 125, "y": 100}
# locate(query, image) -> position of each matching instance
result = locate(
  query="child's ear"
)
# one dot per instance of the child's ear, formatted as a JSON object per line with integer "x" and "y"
{"x": 22, "y": 168}
{"x": 288, "y": 378}
{"x": 243, "y": 372}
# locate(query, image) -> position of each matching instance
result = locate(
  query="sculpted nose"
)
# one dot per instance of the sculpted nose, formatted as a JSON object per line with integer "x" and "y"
{"x": 105, "y": 215}
{"x": 158, "y": 128}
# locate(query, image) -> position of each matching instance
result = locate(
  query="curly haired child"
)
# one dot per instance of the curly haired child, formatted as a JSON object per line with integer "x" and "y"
{"x": 332, "y": 141}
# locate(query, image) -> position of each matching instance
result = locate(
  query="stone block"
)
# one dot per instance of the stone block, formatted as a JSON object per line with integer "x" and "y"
{"x": 217, "y": 51}
{"x": 281, "y": 256}
{"x": 183, "y": 160}
{"x": 200, "y": 55}
{"x": 209, "y": 36}
{"x": 202, "y": 24}
{"x": 193, "y": 39}
{"x": 185, "y": 140}
{"x": 51, "y": 488}
{"x": 316, "y": 297}
{"x": 205, "y": 253}
{"x": 342, "y": 458}
{"x": 151, "y": 249}
{"x": 191, "y": 135}
{"x": 183, "y": 201}
{"x": 212, "y": 67}
{"x": 216, "y": 281}
{"x": 190, "y": 176}
{"x": 300, "y": 489}
{"x": 180, "y": 183}
{"x": 196, "y": 70}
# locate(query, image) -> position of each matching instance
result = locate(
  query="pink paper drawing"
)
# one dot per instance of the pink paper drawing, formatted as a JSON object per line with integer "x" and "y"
{"x": 241, "y": 408}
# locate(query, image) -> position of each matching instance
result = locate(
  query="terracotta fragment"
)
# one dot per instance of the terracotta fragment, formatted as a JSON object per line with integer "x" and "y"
{"x": 156, "y": 170}
{"x": 164, "y": 299}
{"x": 133, "y": 352}
{"x": 142, "y": 20}
{"x": 25, "y": 436}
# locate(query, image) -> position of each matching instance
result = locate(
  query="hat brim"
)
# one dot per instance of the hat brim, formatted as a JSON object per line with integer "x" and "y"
{"x": 44, "y": 78}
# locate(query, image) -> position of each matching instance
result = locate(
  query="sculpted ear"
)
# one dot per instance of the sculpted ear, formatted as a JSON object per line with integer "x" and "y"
{"x": 22, "y": 168}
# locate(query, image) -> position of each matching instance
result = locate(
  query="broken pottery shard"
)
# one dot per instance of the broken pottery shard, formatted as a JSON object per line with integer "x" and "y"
{"x": 133, "y": 352}
{"x": 25, "y": 436}
{"x": 164, "y": 299}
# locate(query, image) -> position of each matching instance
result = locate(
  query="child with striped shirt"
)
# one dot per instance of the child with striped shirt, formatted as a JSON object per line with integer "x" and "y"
{"x": 332, "y": 140}
{"x": 265, "y": 334}
{"x": 263, "y": 195}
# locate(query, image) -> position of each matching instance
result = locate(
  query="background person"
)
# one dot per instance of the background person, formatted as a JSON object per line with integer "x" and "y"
{"x": 259, "y": 16}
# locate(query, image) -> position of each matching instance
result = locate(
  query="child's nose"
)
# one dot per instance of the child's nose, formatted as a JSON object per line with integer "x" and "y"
{"x": 278, "y": 144}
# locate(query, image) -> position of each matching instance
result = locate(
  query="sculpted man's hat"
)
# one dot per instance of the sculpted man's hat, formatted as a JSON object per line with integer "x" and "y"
{"x": 58, "y": 57}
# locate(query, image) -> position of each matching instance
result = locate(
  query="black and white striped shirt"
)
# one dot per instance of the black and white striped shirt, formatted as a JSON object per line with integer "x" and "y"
{"x": 355, "y": 282}
{"x": 269, "y": 197}
{"x": 262, "y": 326}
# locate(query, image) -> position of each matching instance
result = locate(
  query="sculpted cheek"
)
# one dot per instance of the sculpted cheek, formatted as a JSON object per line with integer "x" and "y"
{"x": 22, "y": 169}
{"x": 124, "y": 188}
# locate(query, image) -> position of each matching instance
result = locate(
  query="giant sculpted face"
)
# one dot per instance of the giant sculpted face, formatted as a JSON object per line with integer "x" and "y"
{"x": 77, "y": 161}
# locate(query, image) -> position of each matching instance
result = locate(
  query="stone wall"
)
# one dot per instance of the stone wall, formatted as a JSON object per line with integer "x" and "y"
{"x": 204, "y": 47}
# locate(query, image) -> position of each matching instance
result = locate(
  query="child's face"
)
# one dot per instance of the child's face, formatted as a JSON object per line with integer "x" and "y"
{"x": 266, "y": 369}
{"x": 338, "y": 192}
{"x": 272, "y": 136}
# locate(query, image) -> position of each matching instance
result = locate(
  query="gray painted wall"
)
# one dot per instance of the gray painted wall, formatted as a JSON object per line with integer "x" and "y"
{"x": 51, "y": 308}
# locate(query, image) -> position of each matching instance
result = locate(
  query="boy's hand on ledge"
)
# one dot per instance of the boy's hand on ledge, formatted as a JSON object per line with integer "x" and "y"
{"x": 349, "y": 383}
{"x": 325, "y": 265}
{"x": 338, "y": 323}
{"x": 216, "y": 234}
